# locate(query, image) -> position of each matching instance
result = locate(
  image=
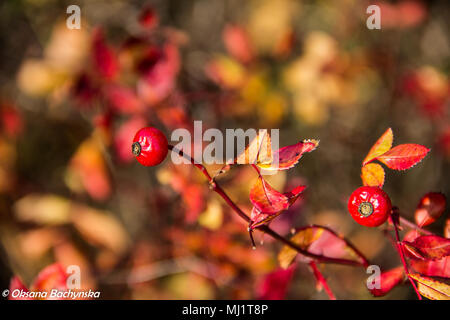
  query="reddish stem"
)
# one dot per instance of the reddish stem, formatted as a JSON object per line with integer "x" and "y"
{"x": 321, "y": 279}
{"x": 264, "y": 228}
{"x": 414, "y": 226}
{"x": 402, "y": 257}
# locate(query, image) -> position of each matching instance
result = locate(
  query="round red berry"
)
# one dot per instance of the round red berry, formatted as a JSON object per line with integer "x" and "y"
{"x": 149, "y": 146}
{"x": 369, "y": 206}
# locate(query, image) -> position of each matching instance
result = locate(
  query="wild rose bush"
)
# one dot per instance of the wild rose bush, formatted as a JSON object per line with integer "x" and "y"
{"x": 73, "y": 194}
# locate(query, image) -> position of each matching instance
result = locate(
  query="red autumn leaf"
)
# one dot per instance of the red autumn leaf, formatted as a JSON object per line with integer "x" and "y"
{"x": 274, "y": 285}
{"x": 383, "y": 144}
{"x": 259, "y": 151}
{"x": 330, "y": 244}
{"x": 51, "y": 277}
{"x": 123, "y": 99}
{"x": 148, "y": 18}
{"x": 372, "y": 174}
{"x": 318, "y": 240}
{"x": 194, "y": 201}
{"x": 403, "y": 156}
{"x": 11, "y": 119}
{"x": 294, "y": 194}
{"x": 104, "y": 58}
{"x": 432, "y": 268}
{"x": 158, "y": 80}
{"x": 259, "y": 218}
{"x": 429, "y": 247}
{"x": 84, "y": 90}
{"x": 266, "y": 199}
{"x": 238, "y": 43}
{"x": 430, "y": 208}
{"x": 289, "y": 156}
{"x": 173, "y": 117}
{"x": 388, "y": 281}
{"x": 404, "y": 14}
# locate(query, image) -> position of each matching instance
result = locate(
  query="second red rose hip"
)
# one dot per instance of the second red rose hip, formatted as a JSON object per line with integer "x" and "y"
{"x": 369, "y": 206}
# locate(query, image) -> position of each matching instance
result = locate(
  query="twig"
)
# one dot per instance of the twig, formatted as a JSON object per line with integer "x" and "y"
{"x": 414, "y": 226}
{"x": 402, "y": 256}
{"x": 321, "y": 279}
{"x": 264, "y": 228}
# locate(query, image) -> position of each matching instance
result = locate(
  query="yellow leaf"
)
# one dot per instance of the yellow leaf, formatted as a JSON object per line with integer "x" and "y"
{"x": 227, "y": 72}
{"x": 372, "y": 175}
{"x": 273, "y": 109}
{"x": 212, "y": 217}
{"x": 383, "y": 144}
{"x": 269, "y": 21}
{"x": 303, "y": 239}
{"x": 100, "y": 228}
{"x": 431, "y": 288}
{"x": 46, "y": 209}
{"x": 309, "y": 109}
{"x": 259, "y": 150}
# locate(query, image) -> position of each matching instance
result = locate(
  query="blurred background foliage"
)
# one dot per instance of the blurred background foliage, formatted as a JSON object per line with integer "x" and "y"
{"x": 71, "y": 101}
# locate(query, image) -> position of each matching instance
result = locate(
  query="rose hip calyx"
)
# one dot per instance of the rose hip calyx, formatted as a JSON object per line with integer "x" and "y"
{"x": 136, "y": 149}
{"x": 365, "y": 209}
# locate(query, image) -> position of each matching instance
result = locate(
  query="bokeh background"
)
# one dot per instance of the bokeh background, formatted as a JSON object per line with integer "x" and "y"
{"x": 71, "y": 101}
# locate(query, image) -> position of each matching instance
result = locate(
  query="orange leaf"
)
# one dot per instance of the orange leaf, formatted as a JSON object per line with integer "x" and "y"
{"x": 88, "y": 168}
{"x": 403, "y": 156}
{"x": 372, "y": 174}
{"x": 432, "y": 289}
{"x": 447, "y": 228}
{"x": 266, "y": 199}
{"x": 383, "y": 144}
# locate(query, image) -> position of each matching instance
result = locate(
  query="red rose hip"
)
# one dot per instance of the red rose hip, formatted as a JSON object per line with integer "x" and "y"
{"x": 149, "y": 146}
{"x": 369, "y": 206}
